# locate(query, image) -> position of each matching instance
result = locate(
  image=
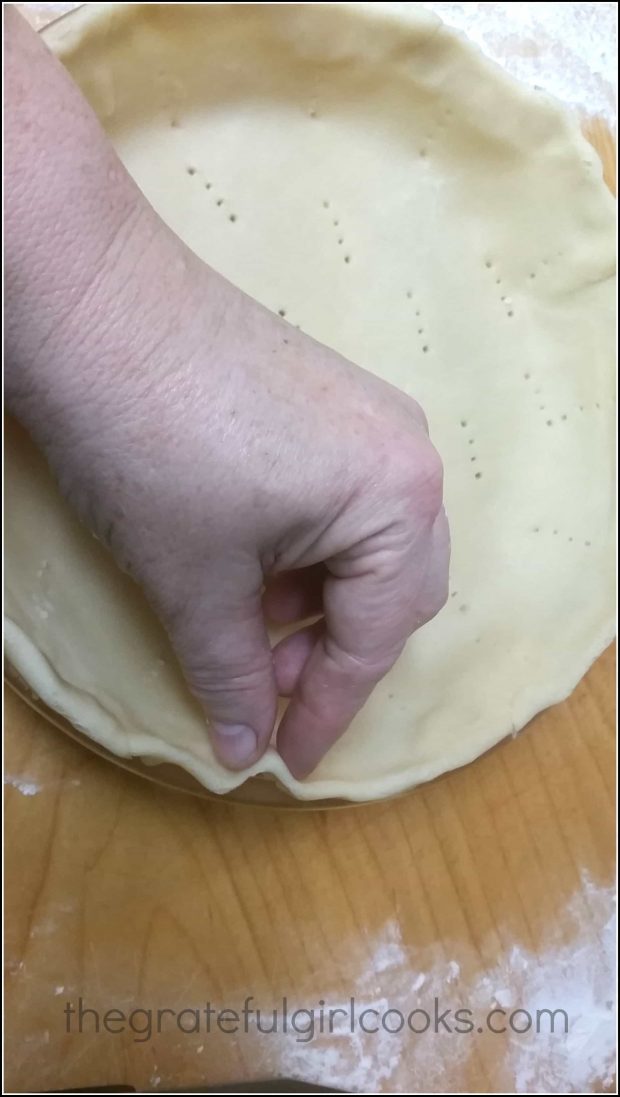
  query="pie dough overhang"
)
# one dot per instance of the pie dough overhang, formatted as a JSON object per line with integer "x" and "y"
{"x": 477, "y": 225}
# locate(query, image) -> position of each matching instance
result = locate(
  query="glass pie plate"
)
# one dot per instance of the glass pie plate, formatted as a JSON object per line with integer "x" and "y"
{"x": 260, "y": 791}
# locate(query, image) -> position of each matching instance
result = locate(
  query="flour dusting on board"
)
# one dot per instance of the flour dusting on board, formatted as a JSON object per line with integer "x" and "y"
{"x": 567, "y": 49}
{"x": 22, "y": 784}
{"x": 571, "y": 973}
{"x": 388, "y": 951}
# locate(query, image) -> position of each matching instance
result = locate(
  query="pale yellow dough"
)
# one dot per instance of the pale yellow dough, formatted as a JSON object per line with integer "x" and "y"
{"x": 404, "y": 201}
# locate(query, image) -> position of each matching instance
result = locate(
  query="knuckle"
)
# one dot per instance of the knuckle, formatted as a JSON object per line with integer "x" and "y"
{"x": 417, "y": 477}
{"x": 419, "y": 415}
{"x": 365, "y": 668}
{"x": 436, "y": 602}
{"x": 429, "y": 480}
{"x": 216, "y": 678}
{"x": 433, "y": 599}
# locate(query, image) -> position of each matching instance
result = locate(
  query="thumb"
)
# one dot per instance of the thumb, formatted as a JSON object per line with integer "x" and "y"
{"x": 221, "y": 641}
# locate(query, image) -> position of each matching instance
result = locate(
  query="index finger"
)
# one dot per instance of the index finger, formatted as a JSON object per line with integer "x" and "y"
{"x": 368, "y": 619}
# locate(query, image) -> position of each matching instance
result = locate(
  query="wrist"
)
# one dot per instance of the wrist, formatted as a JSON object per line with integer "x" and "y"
{"x": 90, "y": 268}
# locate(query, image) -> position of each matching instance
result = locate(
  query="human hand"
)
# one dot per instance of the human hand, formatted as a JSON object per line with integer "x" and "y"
{"x": 238, "y": 452}
{"x": 218, "y": 451}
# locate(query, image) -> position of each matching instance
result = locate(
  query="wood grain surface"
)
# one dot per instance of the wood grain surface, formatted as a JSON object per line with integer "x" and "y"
{"x": 490, "y": 888}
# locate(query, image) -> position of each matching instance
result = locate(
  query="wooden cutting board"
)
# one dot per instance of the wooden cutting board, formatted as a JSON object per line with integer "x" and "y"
{"x": 488, "y": 889}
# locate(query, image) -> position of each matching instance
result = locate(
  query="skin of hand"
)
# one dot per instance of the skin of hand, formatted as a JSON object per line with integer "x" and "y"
{"x": 236, "y": 468}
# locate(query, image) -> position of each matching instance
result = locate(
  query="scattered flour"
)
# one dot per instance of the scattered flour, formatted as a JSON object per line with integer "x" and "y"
{"x": 454, "y": 970}
{"x": 574, "y": 973}
{"x": 389, "y": 951}
{"x": 27, "y": 788}
{"x": 567, "y": 49}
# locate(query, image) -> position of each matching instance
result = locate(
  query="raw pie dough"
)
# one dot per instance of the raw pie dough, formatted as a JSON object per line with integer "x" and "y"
{"x": 370, "y": 173}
